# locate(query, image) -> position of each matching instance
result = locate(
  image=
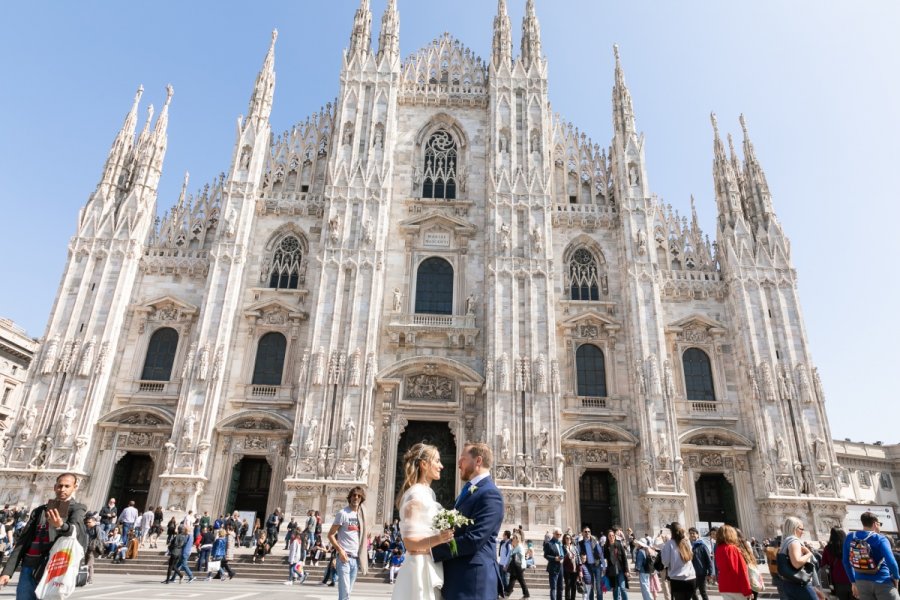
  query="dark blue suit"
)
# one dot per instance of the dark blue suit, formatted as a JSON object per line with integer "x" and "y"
{"x": 472, "y": 572}
{"x": 554, "y": 552}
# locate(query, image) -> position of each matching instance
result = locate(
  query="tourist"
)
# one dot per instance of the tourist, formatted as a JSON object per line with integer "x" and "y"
{"x": 586, "y": 577}
{"x": 590, "y": 547}
{"x": 273, "y": 526}
{"x": 331, "y": 569}
{"x": 676, "y": 556}
{"x": 146, "y": 525}
{"x": 347, "y": 536}
{"x": 128, "y": 519}
{"x": 529, "y": 555}
{"x": 702, "y": 562}
{"x": 181, "y": 551}
{"x": 309, "y": 533}
{"x": 554, "y": 554}
{"x": 643, "y": 564}
{"x": 295, "y": 552}
{"x": 832, "y": 557}
{"x": 32, "y": 549}
{"x": 204, "y": 548}
{"x": 570, "y": 566}
{"x": 396, "y": 562}
{"x": 289, "y": 535}
{"x": 616, "y": 555}
{"x": 317, "y": 552}
{"x": 113, "y": 541}
{"x": 798, "y": 556}
{"x": 516, "y": 566}
{"x": 94, "y": 547}
{"x": 171, "y": 531}
{"x": 869, "y": 562}
{"x": 731, "y": 560}
{"x": 503, "y": 557}
{"x": 108, "y": 515}
{"x": 262, "y": 547}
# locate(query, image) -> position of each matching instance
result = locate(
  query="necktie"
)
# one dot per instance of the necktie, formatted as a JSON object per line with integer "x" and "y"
{"x": 463, "y": 494}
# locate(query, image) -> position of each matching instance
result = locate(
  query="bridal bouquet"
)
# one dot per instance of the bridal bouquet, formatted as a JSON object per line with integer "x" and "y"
{"x": 450, "y": 519}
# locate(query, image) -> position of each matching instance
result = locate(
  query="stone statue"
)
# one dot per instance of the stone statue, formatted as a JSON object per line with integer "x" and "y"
{"x": 28, "y": 418}
{"x": 780, "y": 452}
{"x": 504, "y": 237}
{"x": 349, "y": 435}
{"x": 311, "y": 435}
{"x": 505, "y": 441}
{"x": 398, "y": 300}
{"x": 355, "y": 367}
{"x": 87, "y": 358}
{"x": 245, "y": 158}
{"x": 489, "y": 375}
{"x": 322, "y": 462}
{"x": 204, "y": 363}
{"x": 470, "y": 304}
{"x": 334, "y": 229}
{"x": 633, "y": 178}
{"x": 679, "y": 473}
{"x": 378, "y": 138}
{"x": 639, "y": 376}
{"x": 187, "y": 436}
{"x": 367, "y": 230}
{"x": 503, "y": 143}
{"x": 537, "y": 238}
{"x": 647, "y": 472}
{"x": 370, "y": 434}
{"x": 201, "y": 458}
{"x": 42, "y": 454}
{"x": 362, "y": 469}
{"x": 319, "y": 367}
{"x": 642, "y": 242}
{"x": 189, "y": 361}
{"x": 80, "y": 447}
{"x": 50, "y": 355}
{"x": 68, "y": 419}
{"x": 668, "y": 379}
{"x": 170, "y": 456}
{"x": 560, "y": 469}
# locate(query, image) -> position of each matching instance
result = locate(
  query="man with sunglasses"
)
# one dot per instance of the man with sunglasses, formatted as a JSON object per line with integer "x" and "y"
{"x": 590, "y": 548}
{"x": 869, "y": 562}
{"x": 348, "y": 538}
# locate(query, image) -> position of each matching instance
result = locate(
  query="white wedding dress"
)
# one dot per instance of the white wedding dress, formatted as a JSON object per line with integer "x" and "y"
{"x": 419, "y": 577}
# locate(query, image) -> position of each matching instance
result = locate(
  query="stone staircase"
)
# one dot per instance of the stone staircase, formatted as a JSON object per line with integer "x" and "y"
{"x": 153, "y": 563}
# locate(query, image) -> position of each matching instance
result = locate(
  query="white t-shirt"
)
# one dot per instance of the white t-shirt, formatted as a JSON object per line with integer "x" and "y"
{"x": 347, "y": 536}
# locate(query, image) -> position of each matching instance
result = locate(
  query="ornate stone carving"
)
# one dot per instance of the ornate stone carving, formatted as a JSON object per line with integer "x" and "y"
{"x": 141, "y": 419}
{"x": 256, "y": 423}
{"x": 428, "y": 387}
{"x": 355, "y": 367}
{"x": 595, "y": 435}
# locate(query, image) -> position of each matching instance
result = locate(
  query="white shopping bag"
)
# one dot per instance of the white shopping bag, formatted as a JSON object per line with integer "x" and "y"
{"x": 213, "y": 566}
{"x": 58, "y": 581}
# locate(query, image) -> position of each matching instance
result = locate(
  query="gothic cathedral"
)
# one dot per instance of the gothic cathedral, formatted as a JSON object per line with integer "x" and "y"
{"x": 434, "y": 256}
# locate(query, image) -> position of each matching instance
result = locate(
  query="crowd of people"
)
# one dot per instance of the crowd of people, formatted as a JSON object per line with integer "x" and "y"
{"x": 679, "y": 564}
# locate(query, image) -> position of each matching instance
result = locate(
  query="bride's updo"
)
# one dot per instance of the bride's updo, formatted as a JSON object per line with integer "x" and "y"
{"x": 412, "y": 465}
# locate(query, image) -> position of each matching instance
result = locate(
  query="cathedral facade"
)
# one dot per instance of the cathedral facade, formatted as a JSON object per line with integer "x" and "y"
{"x": 435, "y": 256}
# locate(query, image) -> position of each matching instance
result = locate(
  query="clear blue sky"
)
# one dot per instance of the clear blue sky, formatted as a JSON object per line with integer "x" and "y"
{"x": 817, "y": 81}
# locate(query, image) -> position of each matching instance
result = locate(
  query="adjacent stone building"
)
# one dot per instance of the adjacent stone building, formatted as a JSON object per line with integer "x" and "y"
{"x": 439, "y": 256}
{"x": 16, "y": 352}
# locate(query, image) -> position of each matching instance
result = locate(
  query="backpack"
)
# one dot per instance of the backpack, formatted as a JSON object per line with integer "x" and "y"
{"x": 860, "y": 555}
{"x": 648, "y": 562}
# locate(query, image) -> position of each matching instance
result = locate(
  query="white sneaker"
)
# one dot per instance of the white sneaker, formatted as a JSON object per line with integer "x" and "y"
{"x": 289, "y": 582}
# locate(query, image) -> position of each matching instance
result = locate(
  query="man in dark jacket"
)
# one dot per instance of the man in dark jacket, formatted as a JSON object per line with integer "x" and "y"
{"x": 703, "y": 565}
{"x": 590, "y": 548}
{"x": 109, "y": 514}
{"x": 44, "y": 525}
{"x": 554, "y": 554}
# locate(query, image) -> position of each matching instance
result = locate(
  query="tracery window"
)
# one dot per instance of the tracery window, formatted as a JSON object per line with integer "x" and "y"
{"x": 434, "y": 287}
{"x": 583, "y": 276}
{"x": 698, "y": 380}
{"x": 440, "y": 167}
{"x": 269, "y": 359}
{"x": 160, "y": 355}
{"x": 285, "y": 271}
{"x": 590, "y": 369}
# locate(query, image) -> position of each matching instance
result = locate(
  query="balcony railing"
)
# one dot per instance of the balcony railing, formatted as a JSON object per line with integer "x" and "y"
{"x": 265, "y": 394}
{"x": 405, "y": 327}
{"x": 264, "y": 391}
{"x": 154, "y": 387}
{"x": 706, "y": 409}
{"x": 593, "y": 404}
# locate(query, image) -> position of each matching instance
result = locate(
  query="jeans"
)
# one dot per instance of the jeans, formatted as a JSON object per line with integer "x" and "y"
{"x": 182, "y": 565}
{"x": 203, "y": 559}
{"x": 644, "y": 579}
{"x": 504, "y": 575}
{"x": 869, "y": 590}
{"x": 126, "y": 527}
{"x": 346, "y": 576}
{"x": 556, "y": 585}
{"x": 26, "y": 585}
{"x": 596, "y": 583}
{"x": 618, "y": 587}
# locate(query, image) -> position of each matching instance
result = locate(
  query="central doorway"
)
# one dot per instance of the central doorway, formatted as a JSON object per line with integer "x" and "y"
{"x": 598, "y": 501}
{"x": 250, "y": 482}
{"x": 131, "y": 480}
{"x": 715, "y": 500}
{"x": 438, "y": 434}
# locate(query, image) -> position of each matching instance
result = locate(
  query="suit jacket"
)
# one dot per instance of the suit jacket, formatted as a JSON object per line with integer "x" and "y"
{"x": 552, "y": 553}
{"x": 471, "y": 571}
{"x": 74, "y": 525}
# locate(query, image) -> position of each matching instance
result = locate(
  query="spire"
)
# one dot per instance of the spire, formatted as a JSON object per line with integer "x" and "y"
{"x": 361, "y": 36}
{"x": 389, "y": 35}
{"x": 758, "y": 187}
{"x": 124, "y": 140}
{"x": 531, "y": 36}
{"x": 261, "y": 99}
{"x": 145, "y": 132}
{"x": 502, "y": 53}
{"x": 623, "y": 111}
{"x": 728, "y": 197}
{"x": 162, "y": 122}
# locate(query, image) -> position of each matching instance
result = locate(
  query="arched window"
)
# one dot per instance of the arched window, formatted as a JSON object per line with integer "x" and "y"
{"x": 160, "y": 355}
{"x": 698, "y": 380}
{"x": 269, "y": 359}
{"x": 591, "y": 371}
{"x": 583, "y": 276}
{"x": 285, "y": 271}
{"x": 434, "y": 287}
{"x": 440, "y": 167}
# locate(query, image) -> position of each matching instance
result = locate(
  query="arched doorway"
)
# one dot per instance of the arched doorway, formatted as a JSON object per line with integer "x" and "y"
{"x": 250, "y": 481}
{"x": 131, "y": 480}
{"x": 438, "y": 434}
{"x": 715, "y": 500}
{"x": 598, "y": 499}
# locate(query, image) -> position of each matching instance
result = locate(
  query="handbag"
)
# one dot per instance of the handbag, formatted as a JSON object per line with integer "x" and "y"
{"x": 756, "y": 581}
{"x": 213, "y": 566}
{"x": 791, "y": 574}
{"x": 579, "y": 586}
{"x": 825, "y": 577}
{"x": 61, "y": 572}
{"x": 658, "y": 562}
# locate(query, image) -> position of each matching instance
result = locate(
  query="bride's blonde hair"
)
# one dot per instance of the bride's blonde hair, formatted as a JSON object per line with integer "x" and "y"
{"x": 412, "y": 462}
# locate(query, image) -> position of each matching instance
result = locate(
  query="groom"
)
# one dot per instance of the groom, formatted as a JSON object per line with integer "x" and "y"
{"x": 471, "y": 571}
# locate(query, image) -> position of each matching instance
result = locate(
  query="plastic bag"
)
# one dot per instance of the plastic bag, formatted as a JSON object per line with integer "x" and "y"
{"x": 61, "y": 572}
{"x": 213, "y": 566}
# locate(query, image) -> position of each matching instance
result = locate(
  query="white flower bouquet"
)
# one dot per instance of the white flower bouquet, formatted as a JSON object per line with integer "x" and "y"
{"x": 450, "y": 519}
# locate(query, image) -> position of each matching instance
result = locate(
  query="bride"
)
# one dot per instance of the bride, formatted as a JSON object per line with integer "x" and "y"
{"x": 420, "y": 577}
